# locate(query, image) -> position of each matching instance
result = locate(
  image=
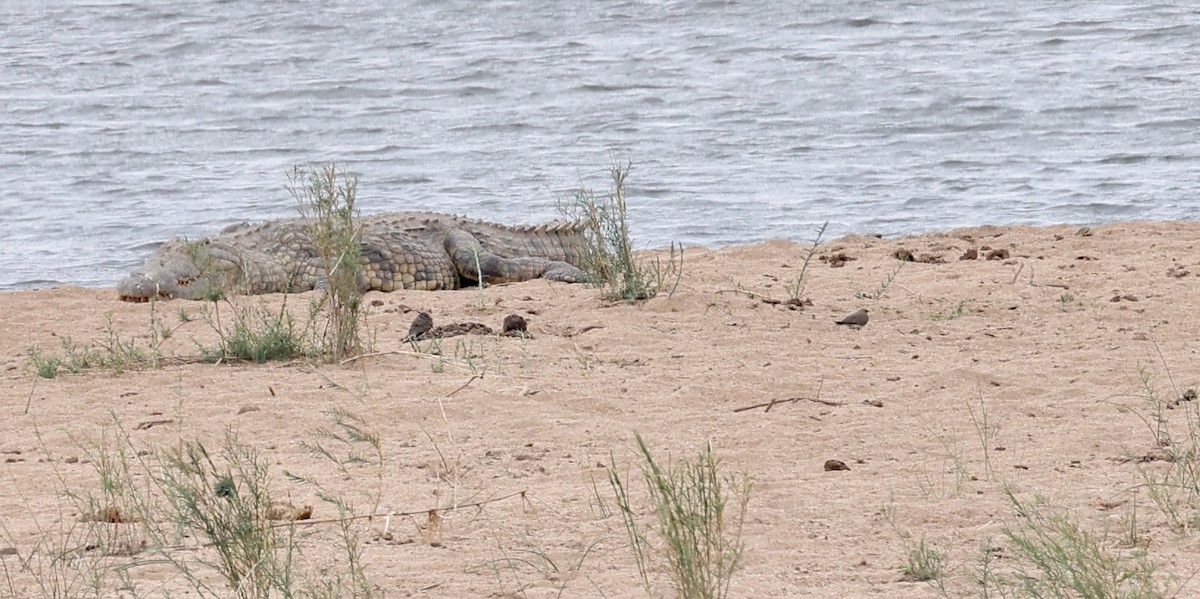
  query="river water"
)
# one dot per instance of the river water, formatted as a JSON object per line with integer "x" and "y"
{"x": 125, "y": 123}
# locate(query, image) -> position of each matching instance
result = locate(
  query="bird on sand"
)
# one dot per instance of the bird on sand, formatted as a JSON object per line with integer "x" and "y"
{"x": 856, "y": 320}
{"x": 420, "y": 325}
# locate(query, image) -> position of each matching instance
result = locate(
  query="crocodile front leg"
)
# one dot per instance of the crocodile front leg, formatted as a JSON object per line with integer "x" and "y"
{"x": 472, "y": 261}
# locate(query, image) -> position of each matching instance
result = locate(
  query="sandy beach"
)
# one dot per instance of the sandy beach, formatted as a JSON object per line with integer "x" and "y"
{"x": 997, "y": 358}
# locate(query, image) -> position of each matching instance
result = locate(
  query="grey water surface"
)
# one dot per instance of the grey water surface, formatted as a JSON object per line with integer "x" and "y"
{"x": 126, "y": 122}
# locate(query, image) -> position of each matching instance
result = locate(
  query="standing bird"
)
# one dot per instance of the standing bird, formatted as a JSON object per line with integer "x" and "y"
{"x": 855, "y": 321}
{"x": 515, "y": 324}
{"x": 420, "y": 325}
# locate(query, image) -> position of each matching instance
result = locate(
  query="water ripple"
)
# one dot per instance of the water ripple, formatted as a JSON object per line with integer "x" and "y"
{"x": 130, "y": 122}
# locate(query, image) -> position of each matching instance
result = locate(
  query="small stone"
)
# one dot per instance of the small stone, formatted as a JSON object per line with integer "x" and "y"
{"x": 285, "y": 511}
{"x": 831, "y": 465}
{"x": 837, "y": 260}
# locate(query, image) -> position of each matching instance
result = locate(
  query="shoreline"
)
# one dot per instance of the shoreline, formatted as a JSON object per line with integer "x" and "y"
{"x": 964, "y": 230}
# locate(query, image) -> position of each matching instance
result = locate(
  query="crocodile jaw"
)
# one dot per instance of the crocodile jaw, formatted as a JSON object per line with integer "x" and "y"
{"x": 167, "y": 276}
{"x": 169, "y": 273}
{"x": 142, "y": 287}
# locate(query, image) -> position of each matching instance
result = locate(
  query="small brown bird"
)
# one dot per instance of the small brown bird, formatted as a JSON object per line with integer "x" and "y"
{"x": 514, "y": 323}
{"x": 857, "y": 320}
{"x": 420, "y": 325}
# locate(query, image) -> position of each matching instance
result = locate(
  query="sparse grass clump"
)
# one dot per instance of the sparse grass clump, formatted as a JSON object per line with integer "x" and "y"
{"x": 883, "y": 287}
{"x": 1055, "y": 557}
{"x": 1171, "y": 470}
{"x": 699, "y": 540}
{"x": 953, "y": 314}
{"x": 68, "y": 557}
{"x": 211, "y": 517}
{"x": 112, "y": 353}
{"x": 257, "y": 334}
{"x": 1047, "y": 555}
{"x": 230, "y": 505}
{"x": 924, "y": 562}
{"x": 326, "y": 200}
{"x": 795, "y": 287}
{"x": 49, "y": 366}
{"x": 608, "y": 253}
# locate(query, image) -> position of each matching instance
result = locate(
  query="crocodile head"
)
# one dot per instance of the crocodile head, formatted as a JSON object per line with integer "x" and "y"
{"x": 180, "y": 269}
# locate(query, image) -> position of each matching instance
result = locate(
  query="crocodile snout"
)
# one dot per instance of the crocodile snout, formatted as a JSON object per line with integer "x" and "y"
{"x": 139, "y": 287}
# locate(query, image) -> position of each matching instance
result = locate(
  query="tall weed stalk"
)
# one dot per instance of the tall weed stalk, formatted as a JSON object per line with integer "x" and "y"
{"x": 608, "y": 255}
{"x": 698, "y": 533}
{"x": 326, "y": 198}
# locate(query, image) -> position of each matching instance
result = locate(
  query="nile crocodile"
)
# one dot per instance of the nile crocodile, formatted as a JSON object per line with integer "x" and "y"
{"x": 400, "y": 250}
